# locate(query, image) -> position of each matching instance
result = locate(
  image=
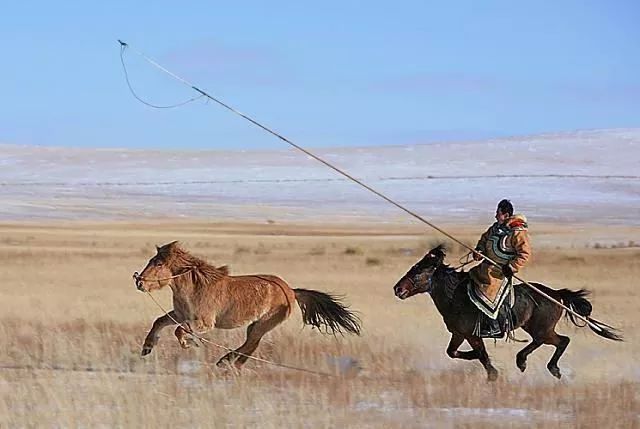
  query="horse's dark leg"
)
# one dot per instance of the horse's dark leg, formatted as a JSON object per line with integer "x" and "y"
{"x": 561, "y": 342}
{"x": 483, "y": 356}
{"x": 160, "y": 323}
{"x": 454, "y": 343}
{"x": 255, "y": 332}
{"x": 521, "y": 357}
{"x": 541, "y": 327}
{"x": 454, "y": 353}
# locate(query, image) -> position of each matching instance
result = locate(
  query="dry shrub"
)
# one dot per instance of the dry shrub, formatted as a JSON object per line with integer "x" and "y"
{"x": 353, "y": 251}
{"x": 373, "y": 261}
{"x": 574, "y": 259}
{"x": 317, "y": 251}
{"x": 261, "y": 250}
{"x": 241, "y": 249}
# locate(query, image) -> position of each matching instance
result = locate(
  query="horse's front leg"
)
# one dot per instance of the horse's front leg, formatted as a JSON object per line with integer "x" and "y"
{"x": 483, "y": 356}
{"x": 454, "y": 353}
{"x": 190, "y": 329}
{"x": 154, "y": 334}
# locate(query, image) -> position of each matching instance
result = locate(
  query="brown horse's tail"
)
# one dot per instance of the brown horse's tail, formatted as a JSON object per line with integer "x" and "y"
{"x": 326, "y": 312}
{"x": 577, "y": 301}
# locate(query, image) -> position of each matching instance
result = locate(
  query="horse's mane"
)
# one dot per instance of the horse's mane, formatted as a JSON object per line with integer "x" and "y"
{"x": 201, "y": 272}
{"x": 448, "y": 271}
{"x": 449, "y": 278}
{"x": 443, "y": 267}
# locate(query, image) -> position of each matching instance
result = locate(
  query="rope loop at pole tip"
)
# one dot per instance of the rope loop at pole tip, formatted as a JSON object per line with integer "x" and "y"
{"x": 123, "y": 47}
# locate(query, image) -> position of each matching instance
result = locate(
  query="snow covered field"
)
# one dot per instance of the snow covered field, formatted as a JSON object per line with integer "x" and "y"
{"x": 585, "y": 176}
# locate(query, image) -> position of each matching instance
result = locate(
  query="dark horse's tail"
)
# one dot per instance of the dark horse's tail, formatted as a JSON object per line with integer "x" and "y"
{"x": 326, "y": 312}
{"x": 577, "y": 301}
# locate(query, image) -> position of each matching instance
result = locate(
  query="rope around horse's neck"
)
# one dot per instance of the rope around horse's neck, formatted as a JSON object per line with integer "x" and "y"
{"x": 207, "y": 341}
{"x": 124, "y": 45}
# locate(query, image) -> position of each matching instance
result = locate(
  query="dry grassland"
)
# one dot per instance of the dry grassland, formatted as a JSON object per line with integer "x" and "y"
{"x": 73, "y": 324}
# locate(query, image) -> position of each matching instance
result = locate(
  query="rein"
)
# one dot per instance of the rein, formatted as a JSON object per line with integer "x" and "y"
{"x": 469, "y": 260}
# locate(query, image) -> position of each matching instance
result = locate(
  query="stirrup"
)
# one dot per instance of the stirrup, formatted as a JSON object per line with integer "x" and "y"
{"x": 491, "y": 329}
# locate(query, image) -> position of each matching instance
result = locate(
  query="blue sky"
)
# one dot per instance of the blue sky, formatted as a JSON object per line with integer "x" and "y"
{"x": 321, "y": 73}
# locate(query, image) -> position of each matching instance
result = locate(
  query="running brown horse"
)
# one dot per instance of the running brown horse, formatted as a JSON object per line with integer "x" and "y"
{"x": 205, "y": 297}
{"x": 536, "y": 315}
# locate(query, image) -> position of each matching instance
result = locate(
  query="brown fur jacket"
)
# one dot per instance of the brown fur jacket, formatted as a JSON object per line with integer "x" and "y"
{"x": 504, "y": 243}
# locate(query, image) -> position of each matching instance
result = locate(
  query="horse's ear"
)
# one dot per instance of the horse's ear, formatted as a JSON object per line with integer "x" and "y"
{"x": 439, "y": 251}
{"x": 157, "y": 248}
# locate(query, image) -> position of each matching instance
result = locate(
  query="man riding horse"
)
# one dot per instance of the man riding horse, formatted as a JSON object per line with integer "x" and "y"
{"x": 506, "y": 242}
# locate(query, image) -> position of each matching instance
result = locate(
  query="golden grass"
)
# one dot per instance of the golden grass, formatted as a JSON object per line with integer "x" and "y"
{"x": 73, "y": 324}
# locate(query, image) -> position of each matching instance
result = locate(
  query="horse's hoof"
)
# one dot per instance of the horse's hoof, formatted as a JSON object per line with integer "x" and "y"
{"x": 223, "y": 363}
{"x": 228, "y": 367}
{"x": 492, "y": 375}
{"x": 522, "y": 365}
{"x": 555, "y": 371}
{"x": 146, "y": 350}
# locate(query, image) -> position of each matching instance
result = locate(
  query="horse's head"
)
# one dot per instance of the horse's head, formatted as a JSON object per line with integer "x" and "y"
{"x": 419, "y": 277}
{"x": 157, "y": 274}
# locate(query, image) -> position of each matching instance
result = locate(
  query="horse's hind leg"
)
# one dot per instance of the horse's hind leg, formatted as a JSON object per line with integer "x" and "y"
{"x": 255, "y": 332}
{"x": 521, "y": 357}
{"x": 483, "y": 356}
{"x": 561, "y": 342}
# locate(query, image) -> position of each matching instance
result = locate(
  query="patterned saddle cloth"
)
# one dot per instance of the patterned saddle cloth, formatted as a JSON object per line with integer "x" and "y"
{"x": 490, "y": 304}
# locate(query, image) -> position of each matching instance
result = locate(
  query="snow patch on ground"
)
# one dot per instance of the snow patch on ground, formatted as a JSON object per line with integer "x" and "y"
{"x": 502, "y": 413}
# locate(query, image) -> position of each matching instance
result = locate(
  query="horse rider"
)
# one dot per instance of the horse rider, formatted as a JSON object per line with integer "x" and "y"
{"x": 507, "y": 243}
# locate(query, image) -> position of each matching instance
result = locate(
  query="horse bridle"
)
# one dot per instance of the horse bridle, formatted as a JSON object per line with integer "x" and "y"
{"x": 430, "y": 283}
{"x": 139, "y": 278}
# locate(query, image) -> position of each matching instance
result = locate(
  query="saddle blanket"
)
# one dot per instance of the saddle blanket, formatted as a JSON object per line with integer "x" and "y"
{"x": 489, "y": 302}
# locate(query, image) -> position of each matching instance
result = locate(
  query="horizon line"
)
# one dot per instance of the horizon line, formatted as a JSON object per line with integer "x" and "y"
{"x": 510, "y": 137}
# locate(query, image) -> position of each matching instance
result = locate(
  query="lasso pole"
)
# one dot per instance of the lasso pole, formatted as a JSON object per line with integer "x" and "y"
{"x": 124, "y": 46}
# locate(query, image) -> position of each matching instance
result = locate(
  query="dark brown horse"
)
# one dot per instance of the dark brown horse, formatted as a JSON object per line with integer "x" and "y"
{"x": 207, "y": 297}
{"x": 535, "y": 314}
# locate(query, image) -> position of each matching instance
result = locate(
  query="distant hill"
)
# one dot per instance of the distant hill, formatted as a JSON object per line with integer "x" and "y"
{"x": 584, "y": 176}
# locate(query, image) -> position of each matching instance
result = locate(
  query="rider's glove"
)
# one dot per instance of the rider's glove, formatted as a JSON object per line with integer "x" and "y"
{"x": 507, "y": 271}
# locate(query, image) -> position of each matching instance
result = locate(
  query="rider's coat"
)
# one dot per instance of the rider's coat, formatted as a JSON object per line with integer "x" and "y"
{"x": 504, "y": 243}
